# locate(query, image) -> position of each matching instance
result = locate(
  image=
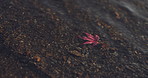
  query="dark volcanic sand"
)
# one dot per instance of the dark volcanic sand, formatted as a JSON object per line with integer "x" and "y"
{"x": 40, "y": 41}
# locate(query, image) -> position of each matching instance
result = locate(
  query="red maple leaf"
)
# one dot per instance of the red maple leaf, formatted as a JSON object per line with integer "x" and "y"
{"x": 91, "y": 39}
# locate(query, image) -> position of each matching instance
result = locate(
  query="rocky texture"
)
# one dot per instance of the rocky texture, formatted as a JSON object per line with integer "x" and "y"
{"x": 40, "y": 41}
